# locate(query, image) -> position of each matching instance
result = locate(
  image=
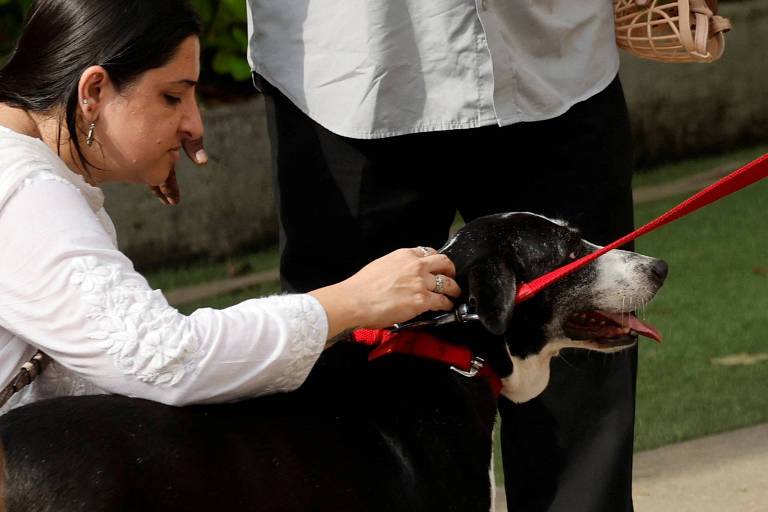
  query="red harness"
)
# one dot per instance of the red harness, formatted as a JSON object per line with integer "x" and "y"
{"x": 427, "y": 346}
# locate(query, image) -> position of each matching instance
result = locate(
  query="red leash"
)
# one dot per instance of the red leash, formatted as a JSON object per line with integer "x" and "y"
{"x": 734, "y": 182}
{"x": 425, "y": 345}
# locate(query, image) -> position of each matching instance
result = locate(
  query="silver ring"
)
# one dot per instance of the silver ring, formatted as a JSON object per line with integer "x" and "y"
{"x": 438, "y": 283}
{"x": 424, "y": 250}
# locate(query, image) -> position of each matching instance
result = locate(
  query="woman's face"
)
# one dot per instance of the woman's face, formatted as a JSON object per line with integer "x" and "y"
{"x": 141, "y": 128}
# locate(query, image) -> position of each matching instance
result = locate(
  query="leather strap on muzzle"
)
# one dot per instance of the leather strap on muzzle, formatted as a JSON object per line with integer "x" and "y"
{"x": 671, "y": 30}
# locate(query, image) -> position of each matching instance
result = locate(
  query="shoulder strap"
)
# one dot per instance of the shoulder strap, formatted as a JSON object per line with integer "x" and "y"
{"x": 29, "y": 371}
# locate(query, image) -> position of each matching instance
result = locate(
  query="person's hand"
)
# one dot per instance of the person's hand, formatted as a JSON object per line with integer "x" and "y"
{"x": 195, "y": 150}
{"x": 391, "y": 289}
{"x": 169, "y": 192}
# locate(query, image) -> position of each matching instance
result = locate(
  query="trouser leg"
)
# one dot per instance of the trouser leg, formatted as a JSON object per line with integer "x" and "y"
{"x": 570, "y": 449}
{"x": 346, "y": 201}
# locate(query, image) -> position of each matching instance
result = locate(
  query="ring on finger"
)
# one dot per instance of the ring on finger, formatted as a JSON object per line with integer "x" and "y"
{"x": 439, "y": 283}
{"x": 424, "y": 250}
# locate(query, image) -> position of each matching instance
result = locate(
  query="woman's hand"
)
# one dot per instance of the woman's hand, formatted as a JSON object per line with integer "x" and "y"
{"x": 391, "y": 289}
{"x": 169, "y": 192}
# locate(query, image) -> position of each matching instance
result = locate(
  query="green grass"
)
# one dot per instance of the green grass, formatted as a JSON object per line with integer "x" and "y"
{"x": 204, "y": 271}
{"x": 677, "y": 170}
{"x": 714, "y": 303}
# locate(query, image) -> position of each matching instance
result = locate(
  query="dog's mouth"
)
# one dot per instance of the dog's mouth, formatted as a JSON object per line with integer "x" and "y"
{"x": 608, "y": 329}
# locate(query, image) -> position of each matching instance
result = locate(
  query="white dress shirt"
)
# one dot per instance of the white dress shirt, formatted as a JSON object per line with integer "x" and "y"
{"x": 66, "y": 289}
{"x": 380, "y": 68}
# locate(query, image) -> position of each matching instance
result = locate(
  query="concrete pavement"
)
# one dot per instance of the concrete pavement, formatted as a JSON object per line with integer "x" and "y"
{"x": 722, "y": 473}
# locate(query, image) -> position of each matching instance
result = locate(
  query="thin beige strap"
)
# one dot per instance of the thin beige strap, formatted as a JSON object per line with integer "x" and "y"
{"x": 28, "y": 372}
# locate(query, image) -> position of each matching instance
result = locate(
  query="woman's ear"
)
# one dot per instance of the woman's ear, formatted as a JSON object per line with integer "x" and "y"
{"x": 93, "y": 90}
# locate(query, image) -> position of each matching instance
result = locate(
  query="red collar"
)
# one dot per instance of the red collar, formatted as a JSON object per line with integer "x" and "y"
{"x": 423, "y": 344}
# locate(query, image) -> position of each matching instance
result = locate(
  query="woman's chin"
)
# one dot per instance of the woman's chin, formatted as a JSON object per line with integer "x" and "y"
{"x": 159, "y": 178}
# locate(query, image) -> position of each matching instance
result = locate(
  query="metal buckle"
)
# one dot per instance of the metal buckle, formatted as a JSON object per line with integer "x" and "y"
{"x": 475, "y": 365}
{"x": 461, "y": 314}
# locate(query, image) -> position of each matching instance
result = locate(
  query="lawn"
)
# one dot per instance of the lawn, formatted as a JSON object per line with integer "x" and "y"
{"x": 713, "y": 305}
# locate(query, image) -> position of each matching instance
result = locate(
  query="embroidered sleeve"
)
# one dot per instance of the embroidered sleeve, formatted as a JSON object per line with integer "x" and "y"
{"x": 69, "y": 291}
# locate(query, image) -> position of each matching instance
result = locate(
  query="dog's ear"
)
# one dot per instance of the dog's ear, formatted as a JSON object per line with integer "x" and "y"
{"x": 492, "y": 292}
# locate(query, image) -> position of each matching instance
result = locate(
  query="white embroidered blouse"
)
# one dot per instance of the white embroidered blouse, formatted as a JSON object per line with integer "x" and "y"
{"x": 66, "y": 289}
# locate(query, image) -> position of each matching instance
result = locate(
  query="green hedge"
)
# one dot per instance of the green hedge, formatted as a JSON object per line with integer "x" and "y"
{"x": 11, "y": 17}
{"x": 225, "y": 74}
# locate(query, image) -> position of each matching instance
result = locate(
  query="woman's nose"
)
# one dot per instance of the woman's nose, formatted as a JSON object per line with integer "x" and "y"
{"x": 192, "y": 122}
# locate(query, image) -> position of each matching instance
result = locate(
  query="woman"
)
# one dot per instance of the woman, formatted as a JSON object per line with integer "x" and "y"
{"x": 104, "y": 90}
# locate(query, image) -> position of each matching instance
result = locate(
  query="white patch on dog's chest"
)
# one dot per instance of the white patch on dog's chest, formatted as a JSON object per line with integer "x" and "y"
{"x": 530, "y": 375}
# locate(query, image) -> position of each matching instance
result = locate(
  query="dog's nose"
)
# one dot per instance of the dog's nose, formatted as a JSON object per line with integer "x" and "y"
{"x": 660, "y": 269}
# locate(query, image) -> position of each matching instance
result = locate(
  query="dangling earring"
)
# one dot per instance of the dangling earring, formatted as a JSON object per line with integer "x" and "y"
{"x": 89, "y": 139}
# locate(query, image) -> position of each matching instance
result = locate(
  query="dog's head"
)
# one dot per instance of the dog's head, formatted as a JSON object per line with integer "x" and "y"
{"x": 590, "y": 308}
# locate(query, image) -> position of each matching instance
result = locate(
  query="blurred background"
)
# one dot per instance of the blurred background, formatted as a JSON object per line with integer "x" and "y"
{"x": 692, "y": 123}
{"x": 678, "y": 111}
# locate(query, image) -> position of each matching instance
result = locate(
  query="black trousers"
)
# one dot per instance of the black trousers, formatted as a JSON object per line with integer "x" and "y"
{"x": 344, "y": 202}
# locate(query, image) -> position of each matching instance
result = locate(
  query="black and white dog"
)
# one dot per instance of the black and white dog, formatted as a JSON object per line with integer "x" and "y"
{"x": 396, "y": 434}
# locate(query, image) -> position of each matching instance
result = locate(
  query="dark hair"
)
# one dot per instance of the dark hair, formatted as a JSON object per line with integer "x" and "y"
{"x": 61, "y": 38}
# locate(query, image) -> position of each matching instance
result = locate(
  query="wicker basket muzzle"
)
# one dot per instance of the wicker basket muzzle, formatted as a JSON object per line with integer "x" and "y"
{"x": 671, "y": 30}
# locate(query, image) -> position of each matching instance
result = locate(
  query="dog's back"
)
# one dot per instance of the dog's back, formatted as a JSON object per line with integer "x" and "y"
{"x": 396, "y": 434}
{"x": 356, "y": 436}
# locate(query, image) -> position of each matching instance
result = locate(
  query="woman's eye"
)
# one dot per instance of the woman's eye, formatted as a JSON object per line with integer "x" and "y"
{"x": 172, "y": 99}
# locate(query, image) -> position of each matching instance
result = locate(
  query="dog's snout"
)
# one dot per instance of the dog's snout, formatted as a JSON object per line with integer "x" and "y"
{"x": 660, "y": 270}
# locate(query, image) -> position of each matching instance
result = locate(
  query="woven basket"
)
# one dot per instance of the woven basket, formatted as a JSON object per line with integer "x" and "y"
{"x": 671, "y": 30}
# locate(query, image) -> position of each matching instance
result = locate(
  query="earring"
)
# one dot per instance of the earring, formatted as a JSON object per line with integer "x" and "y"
{"x": 89, "y": 139}
{"x": 85, "y": 101}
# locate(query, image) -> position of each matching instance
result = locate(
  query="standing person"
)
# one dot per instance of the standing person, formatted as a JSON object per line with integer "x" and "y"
{"x": 388, "y": 117}
{"x": 104, "y": 90}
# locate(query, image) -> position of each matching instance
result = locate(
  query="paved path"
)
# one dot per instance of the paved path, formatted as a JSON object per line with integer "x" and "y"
{"x": 688, "y": 184}
{"x": 723, "y": 473}
{"x": 198, "y": 292}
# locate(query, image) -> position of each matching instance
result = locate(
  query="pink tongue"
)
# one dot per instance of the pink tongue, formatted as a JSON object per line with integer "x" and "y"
{"x": 631, "y": 321}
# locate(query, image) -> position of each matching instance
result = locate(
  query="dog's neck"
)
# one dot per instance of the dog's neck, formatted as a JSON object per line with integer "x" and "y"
{"x": 429, "y": 344}
{"x": 480, "y": 342}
